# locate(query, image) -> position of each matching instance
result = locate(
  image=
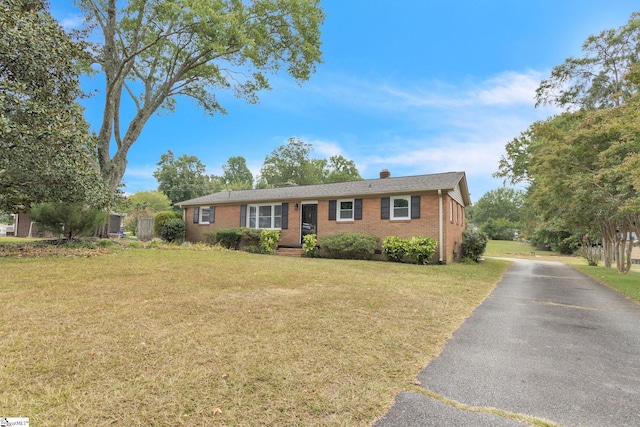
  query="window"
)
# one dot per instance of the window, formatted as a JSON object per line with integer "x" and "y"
{"x": 401, "y": 207}
{"x": 265, "y": 216}
{"x": 451, "y": 210}
{"x": 203, "y": 215}
{"x": 345, "y": 210}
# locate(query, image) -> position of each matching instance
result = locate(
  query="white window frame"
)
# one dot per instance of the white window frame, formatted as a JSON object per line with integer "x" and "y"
{"x": 256, "y": 216}
{"x": 393, "y": 208}
{"x": 202, "y": 209}
{"x": 338, "y": 210}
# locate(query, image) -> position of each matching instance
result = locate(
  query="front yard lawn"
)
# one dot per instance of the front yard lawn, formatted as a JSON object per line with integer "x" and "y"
{"x": 158, "y": 337}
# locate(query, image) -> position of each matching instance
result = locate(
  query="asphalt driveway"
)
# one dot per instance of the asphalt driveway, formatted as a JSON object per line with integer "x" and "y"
{"x": 549, "y": 343}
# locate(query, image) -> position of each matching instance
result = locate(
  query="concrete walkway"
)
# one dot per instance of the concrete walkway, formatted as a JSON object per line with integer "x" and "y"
{"x": 549, "y": 343}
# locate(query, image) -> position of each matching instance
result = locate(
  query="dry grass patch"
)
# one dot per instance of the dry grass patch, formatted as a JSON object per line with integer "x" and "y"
{"x": 150, "y": 337}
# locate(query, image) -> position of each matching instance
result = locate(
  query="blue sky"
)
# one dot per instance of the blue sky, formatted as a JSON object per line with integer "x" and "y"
{"x": 414, "y": 86}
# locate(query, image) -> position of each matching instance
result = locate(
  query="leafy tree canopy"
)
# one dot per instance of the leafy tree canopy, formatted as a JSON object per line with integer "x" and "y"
{"x": 236, "y": 175}
{"x": 154, "y": 200}
{"x": 597, "y": 79}
{"x": 183, "y": 178}
{"x": 502, "y": 203}
{"x": 151, "y": 52}
{"x": 70, "y": 219}
{"x": 46, "y": 152}
{"x": 291, "y": 164}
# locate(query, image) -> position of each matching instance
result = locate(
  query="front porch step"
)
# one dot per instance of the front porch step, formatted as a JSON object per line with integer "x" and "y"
{"x": 294, "y": 252}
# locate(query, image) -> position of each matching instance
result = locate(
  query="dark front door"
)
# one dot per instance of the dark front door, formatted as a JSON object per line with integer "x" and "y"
{"x": 309, "y": 220}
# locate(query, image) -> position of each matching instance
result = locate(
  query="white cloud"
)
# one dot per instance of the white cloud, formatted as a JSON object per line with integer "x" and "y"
{"x": 509, "y": 88}
{"x": 324, "y": 149}
{"x": 140, "y": 178}
{"x": 72, "y": 22}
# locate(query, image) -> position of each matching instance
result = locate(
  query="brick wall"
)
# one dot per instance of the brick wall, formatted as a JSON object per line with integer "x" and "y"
{"x": 426, "y": 225}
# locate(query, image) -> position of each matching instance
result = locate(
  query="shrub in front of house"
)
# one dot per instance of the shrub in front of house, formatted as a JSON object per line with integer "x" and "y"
{"x": 394, "y": 248}
{"x": 473, "y": 245}
{"x": 348, "y": 245}
{"x": 160, "y": 218}
{"x": 419, "y": 248}
{"x": 310, "y": 245}
{"x": 173, "y": 230}
{"x": 269, "y": 241}
{"x": 237, "y": 238}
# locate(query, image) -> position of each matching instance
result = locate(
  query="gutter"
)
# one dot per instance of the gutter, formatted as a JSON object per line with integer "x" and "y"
{"x": 440, "y": 227}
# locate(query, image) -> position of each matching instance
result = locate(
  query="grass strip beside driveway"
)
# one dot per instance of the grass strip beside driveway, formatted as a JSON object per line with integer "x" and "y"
{"x": 154, "y": 337}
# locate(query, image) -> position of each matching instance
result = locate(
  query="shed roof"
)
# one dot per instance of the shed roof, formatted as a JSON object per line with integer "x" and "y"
{"x": 447, "y": 181}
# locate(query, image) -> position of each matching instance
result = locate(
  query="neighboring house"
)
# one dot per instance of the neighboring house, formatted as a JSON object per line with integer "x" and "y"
{"x": 427, "y": 205}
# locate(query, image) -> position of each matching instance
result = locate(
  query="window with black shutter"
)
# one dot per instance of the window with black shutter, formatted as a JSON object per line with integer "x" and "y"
{"x": 357, "y": 209}
{"x": 332, "y": 209}
{"x": 415, "y": 207}
{"x": 284, "y": 222}
{"x": 385, "y": 202}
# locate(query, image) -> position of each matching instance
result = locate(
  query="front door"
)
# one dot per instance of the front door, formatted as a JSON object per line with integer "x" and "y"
{"x": 309, "y": 219}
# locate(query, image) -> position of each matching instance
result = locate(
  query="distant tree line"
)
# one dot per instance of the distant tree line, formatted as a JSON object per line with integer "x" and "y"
{"x": 185, "y": 177}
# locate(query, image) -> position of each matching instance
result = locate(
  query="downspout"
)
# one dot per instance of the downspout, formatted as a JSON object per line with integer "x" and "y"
{"x": 440, "y": 227}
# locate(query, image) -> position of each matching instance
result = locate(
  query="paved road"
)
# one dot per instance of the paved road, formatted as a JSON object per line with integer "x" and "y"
{"x": 549, "y": 343}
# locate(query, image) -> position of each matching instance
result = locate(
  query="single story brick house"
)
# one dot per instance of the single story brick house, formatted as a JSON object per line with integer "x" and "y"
{"x": 428, "y": 205}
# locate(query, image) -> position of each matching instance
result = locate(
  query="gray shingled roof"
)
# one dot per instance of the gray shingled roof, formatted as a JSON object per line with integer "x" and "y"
{"x": 368, "y": 187}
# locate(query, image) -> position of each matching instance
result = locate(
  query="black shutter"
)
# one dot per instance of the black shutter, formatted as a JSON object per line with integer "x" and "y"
{"x": 385, "y": 202}
{"x": 415, "y": 207}
{"x": 212, "y": 214}
{"x": 284, "y": 223}
{"x": 357, "y": 209}
{"x": 196, "y": 215}
{"x": 332, "y": 210}
{"x": 243, "y": 215}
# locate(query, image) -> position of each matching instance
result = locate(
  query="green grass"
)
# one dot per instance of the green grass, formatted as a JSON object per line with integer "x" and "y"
{"x": 504, "y": 248}
{"x": 201, "y": 338}
{"x": 626, "y": 284}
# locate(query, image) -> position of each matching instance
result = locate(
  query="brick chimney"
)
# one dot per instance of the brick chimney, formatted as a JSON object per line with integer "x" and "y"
{"x": 384, "y": 173}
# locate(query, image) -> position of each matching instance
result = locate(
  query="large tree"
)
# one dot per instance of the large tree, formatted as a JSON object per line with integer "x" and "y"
{"x": 153, "y": 51}
{"x": 182, "y": 178}
{"x": 598, "y": 78}
{"x": 578, "y": 165}
{"x": 153, "y": 200}
{"x": 292, "y": 164}
{"x": 46, "y": 152}
{"x": 499, "y": 212}
{"x": 236, "y": 175}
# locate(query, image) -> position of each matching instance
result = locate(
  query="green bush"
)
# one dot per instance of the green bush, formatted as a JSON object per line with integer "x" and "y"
{"x": 249, "y": 237}
{"x": 70, "y": 219}
{"x": 237, "y": 238}
{"x": 269, "y": 241}
{"x": 160, "y": 218}
{"x": 229, "y": 238}
{"x": 349, "y": 245}
{"x": 421, "y": 248}
{"x": 394, "y": 248}
{"x": 474, "y": 243}
{"x": 310, "y": 245}
{"x": 173, "y": 230}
